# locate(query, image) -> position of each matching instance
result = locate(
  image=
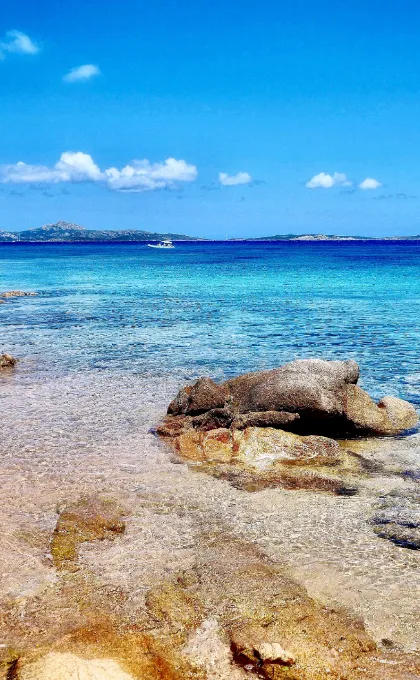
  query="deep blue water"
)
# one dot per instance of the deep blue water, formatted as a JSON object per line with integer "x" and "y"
{"x": 216, "y": 308}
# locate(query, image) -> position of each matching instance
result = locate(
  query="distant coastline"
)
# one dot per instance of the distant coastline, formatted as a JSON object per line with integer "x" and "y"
{"x": 327, "y": 237}
{"x": 66, "y": 232}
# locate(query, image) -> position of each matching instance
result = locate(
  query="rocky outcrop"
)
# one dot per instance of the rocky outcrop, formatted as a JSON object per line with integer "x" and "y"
{"x": 274, "y": 428}
{"x": 7, "y": 361}
{"x": 306, "y": 396}
{"x": 232, "y": 615}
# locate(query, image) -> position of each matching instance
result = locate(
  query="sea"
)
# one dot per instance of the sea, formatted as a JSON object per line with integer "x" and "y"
{"x": 215, "y": 308}
{"x": 114, "y": 331}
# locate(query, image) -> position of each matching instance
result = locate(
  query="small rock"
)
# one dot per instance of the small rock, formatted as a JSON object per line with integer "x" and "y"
{"x": 17, "y": 293}
{"x": 7, "y": 361}
{"x": 273, "y": 652}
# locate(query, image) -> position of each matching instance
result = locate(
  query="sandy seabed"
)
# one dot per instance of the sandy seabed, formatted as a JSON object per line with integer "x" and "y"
{"x": 89, "y": 434}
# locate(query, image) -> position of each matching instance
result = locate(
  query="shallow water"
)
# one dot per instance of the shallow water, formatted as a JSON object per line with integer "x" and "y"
{"x": 216, "y": 308}
{"x": 114, "y": 332}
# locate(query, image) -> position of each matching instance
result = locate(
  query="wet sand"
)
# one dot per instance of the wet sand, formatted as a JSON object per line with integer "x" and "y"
{"x": 77, "y": 434}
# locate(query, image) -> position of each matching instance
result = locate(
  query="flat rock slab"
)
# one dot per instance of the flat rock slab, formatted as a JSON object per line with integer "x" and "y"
{"x": 257, "y": 448}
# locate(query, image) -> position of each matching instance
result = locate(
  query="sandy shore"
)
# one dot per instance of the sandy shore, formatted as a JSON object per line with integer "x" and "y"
{"x": 89, "y": 434}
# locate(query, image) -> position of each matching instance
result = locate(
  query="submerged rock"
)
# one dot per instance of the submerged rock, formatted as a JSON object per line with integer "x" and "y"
{"x": 174, "y": 607}
{"x": 7, "y": 361}
{"x": 67, "y": 666}
{"x": 309, "y": 396}
{"x": 398, "y": 519}
{"x": 232, "y": 615}
{"x": 89, "y": 519}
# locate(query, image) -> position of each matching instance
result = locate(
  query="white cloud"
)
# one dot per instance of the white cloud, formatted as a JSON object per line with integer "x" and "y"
{"x": 326, "y": 181}
{"x": 139, "y": 175}
{"x": 77, "y": 167}
{"x": 370, "y": 183}
{"x": 17, "y": 42}
{"x": 72, "y": 167}
{"x": 81, "y": 73}
{"x": 232, "y": 180}
{"x": 145, "y": 176}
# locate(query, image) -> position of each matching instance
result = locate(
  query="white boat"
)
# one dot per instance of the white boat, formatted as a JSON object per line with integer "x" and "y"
{"x": 167, "y": 243}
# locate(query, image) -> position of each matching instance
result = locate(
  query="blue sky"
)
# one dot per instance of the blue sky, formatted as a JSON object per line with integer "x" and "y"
{"x": 276, "y": 117}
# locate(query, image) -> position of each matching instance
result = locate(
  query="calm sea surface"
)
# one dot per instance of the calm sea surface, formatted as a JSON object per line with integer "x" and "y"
{"x": 215, "y": 308}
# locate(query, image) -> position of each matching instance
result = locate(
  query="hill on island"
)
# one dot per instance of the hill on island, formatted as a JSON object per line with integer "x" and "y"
{"x": 68, "y": 232}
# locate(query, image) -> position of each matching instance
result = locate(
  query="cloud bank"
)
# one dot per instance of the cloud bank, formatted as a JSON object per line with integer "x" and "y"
{"x": 77, "y": 167}
{"x": 233, "y": 180}
{"x": 18, "y": 43}
{"x": 81, "y": 73}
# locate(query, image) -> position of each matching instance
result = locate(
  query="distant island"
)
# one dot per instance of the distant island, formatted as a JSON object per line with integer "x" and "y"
{"x": 67, "y": 232}
{"x": 328, "y": 237}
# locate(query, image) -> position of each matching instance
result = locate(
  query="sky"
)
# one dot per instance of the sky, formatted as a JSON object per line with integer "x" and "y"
{"x": 209, "y": 118}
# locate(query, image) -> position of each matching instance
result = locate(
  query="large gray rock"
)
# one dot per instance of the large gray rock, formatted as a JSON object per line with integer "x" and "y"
{"x": 311, "y": 384}
{"x": 309, "y": 396}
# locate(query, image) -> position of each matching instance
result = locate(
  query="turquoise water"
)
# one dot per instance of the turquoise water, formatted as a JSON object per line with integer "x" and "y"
{"x": 215, "y": 308}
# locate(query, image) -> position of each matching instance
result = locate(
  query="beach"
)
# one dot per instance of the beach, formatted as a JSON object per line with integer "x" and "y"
{"x": 103, "y": 348}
